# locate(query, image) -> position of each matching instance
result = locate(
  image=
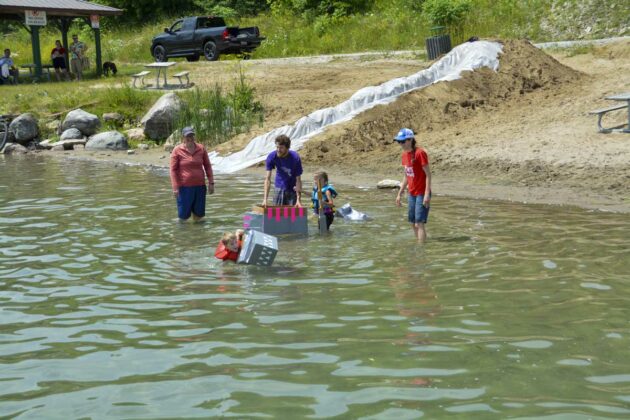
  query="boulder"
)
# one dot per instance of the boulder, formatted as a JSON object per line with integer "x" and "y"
{"x": 135, "y": 134}
{"x": 24, "y": 128}
{"x": 143, "y": 146}
{"x": 87, "y": 123}
{"x": 54, "y": 126}
{"x": 388, "y": 183}
{"x": 159, "y": 122}
{"x": 69, "y": 144}
{"x": 14, "y": 149}
{"x": 58, "y": 148}
{"x": 112, "y": 140}
{"x": 46, "y": 144}
{"x": 113, "y": 117}
{"x": 71, "y": 134}
{"x": 171, "y": 141}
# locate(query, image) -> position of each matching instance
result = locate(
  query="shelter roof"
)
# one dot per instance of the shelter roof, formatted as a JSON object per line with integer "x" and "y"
{"x": 58, "y": 7}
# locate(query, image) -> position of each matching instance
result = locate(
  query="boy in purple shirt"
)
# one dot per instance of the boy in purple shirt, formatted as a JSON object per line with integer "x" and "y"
{"x": 288, "y": 165}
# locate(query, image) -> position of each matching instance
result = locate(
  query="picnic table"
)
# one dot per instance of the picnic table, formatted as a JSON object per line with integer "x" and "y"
{"x": 31, "y": 68}
{"x": 161, "y": 67}
{"x": 622, "y": 97}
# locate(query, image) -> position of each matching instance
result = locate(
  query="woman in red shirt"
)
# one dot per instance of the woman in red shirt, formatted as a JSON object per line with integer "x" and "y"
{"x": 58, "y": 56}
{"x": 418, "y": 178}
{"x": 189, "y": 167}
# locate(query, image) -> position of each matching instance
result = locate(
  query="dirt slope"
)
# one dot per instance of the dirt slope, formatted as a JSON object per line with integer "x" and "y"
{"x": 527, "y": 124}
{"x": 522, "y": 133}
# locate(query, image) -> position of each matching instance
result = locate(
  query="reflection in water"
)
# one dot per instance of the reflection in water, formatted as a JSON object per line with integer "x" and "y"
{"x": 110, "y": 308}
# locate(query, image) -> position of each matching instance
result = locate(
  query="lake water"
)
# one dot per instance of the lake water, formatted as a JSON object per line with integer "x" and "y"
{"x": 110, "y": 308}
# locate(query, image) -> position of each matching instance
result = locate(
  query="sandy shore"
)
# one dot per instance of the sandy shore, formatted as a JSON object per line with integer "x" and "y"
{"x": 521, "y": 134}
{"x": 455, "y": 185}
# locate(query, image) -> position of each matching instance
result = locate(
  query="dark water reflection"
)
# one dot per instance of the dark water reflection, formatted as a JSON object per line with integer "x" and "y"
{"x": 110, "y": 308}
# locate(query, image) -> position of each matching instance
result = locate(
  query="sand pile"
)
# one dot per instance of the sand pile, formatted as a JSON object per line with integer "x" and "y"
{"x": 367, "y": 140}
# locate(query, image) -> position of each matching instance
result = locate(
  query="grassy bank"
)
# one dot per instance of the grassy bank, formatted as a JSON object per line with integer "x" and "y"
{"x": 392, "y": 25}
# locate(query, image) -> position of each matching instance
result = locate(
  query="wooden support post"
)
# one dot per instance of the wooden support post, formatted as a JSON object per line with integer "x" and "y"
{"x": 37, "y": 55}
{"x": 97, "y": 45}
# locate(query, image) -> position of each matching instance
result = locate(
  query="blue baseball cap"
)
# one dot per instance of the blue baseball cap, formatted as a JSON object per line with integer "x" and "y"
{"x": 186, "y": 131}
{"x": 404, "y": 134}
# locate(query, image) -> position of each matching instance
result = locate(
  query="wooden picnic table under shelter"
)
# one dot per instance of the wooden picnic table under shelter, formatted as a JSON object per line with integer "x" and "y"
{"x": 60, "y": 13}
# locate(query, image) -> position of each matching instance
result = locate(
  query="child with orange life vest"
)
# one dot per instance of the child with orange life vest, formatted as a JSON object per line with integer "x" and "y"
{"x": 230, "y": 245}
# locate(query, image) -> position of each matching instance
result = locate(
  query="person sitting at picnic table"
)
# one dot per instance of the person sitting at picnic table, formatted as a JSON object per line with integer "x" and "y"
{"x": 8, "y": 72}
{"x": 77, "y": 53}
{"x": 58, "y": 56}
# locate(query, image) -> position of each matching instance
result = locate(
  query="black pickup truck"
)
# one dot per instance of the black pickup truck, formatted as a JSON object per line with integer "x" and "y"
{"x": 209, "y": 36}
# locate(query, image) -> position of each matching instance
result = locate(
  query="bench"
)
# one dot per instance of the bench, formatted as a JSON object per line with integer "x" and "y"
{"x": 140, "y": 76}
{"x": 31, "y": 70}
{"x": 180, "y": 75}
{"x": 601, "y": 112}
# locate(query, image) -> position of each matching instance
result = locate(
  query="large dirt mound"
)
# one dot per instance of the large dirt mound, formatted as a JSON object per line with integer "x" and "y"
{"x": 367, "y": 139}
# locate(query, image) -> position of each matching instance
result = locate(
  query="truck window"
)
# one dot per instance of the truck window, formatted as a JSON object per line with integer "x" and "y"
{"x": 210, "y": 22}
{"x": 177, "y": 26}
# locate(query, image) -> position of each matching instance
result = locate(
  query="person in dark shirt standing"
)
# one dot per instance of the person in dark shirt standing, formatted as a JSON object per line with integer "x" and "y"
{"x": 58, "y": 56}
{"x": 288, "y": 182}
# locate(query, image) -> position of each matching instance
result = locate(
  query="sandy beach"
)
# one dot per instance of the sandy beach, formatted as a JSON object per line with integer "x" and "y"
{"x": 520, "y": 134}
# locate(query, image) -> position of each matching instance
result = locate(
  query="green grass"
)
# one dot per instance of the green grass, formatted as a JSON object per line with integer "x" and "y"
{"x": 391, "y": 25}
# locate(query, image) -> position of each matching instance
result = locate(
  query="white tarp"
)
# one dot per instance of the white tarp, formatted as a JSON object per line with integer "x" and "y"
{"x": 467, "y": 56}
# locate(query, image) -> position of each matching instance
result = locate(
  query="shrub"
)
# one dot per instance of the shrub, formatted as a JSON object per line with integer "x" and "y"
{"x": 447, "y": 12}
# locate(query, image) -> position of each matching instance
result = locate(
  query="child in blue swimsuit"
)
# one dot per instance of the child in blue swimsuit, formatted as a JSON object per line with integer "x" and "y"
{"x": 328, "y": 194}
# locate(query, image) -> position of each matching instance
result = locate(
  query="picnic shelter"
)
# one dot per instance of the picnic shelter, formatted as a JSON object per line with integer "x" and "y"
{"x": 59, "y": 13}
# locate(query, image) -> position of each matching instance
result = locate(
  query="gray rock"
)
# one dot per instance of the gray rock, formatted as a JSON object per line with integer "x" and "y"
{"x": 388, "y": 184}
{"x": 159, "y": 122}
{"x": 54, "y": 126}
{"x": 24, "y": 128}
{"x": 113, "y": 116}
{"x": 87, "y": 123}
{"x": 136, "y": 134}
{"x": 46, "y": 144}
{"x": 71, "y": 134}
{"x": 112, "y": 140}
{"x": 58, "y": 148}
{"x": 14, "y": 149}
{"x": 69, "y": 144}
{"x": 143, "y": 146}
{"x": 131, "y": 152}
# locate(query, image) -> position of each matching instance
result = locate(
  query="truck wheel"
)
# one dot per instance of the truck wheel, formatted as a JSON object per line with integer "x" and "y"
{"x": 192, "y": 58}
{"x": 210, "y": 51}
{"x": 159, "y": 53}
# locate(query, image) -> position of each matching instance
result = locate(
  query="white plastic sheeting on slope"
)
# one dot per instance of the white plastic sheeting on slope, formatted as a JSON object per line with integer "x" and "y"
{"x": 467, "y": 56}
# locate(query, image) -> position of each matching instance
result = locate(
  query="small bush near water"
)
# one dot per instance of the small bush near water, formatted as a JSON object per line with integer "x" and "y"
{"x": 217, "y": 116}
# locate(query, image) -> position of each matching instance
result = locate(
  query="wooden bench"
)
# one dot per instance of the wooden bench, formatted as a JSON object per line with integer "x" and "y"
{"x": 601, "y": 112}
{"x": 140, "y": 76}
{"x": 180, "y": 75}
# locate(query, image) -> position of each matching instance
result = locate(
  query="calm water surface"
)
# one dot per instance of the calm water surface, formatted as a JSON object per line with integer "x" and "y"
{"x": 110, "y": 308}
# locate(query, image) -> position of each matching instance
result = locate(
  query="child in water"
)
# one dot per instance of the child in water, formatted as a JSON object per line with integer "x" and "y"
{"x": 230, "y": 245}
{"x": 328, "y": 194}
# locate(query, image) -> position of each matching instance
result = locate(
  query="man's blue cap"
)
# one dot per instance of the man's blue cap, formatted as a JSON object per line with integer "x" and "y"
{"x": 404, "y": 134}
{"x": 186, "y": 131}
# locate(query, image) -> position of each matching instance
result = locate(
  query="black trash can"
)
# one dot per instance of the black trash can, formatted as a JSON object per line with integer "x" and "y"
{"x": 438, "y": 44}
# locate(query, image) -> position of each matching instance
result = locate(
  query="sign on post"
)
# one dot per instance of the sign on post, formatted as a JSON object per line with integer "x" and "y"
{"x": 94, "y": 21}
{"x": 35, "y": 17}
